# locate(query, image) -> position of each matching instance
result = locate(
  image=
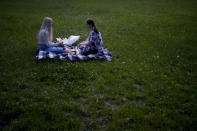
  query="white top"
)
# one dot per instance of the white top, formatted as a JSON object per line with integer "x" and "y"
{"x": 43, "y": 38}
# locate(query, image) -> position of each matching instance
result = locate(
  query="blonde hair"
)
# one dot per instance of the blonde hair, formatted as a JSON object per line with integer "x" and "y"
{"x": 47, "y": 25}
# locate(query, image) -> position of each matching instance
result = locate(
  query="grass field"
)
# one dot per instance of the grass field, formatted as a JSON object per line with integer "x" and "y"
{"x": 150, "y": 85}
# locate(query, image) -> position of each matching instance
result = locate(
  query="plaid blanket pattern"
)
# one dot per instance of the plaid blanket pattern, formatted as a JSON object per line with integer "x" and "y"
{"x": 105, "y": 54}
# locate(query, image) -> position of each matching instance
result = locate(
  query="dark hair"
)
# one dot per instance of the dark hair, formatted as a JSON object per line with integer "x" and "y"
{"x": 91, "y": 22}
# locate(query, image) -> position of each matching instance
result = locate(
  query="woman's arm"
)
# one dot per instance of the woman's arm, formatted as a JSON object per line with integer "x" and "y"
{"x": 43, "y": 38}
{"x": 49, "y": 43}
{"x": 85, "y": 43}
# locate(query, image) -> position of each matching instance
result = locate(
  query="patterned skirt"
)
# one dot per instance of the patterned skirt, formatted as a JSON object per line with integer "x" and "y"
{"x": 86, "y": 50}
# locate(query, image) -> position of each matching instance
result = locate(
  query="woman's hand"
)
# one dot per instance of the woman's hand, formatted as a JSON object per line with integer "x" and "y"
{"x": 80, "y": 44}
{"x": 61, "y": 44}
{"x": 83, "y": 43}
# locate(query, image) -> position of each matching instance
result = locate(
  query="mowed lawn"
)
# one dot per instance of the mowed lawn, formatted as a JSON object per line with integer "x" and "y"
{"x": 150, "y": 85}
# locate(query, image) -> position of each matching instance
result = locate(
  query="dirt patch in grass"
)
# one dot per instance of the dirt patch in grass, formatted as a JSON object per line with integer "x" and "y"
{"x": 141, "y": 101}
{"x": 111, "y": 103}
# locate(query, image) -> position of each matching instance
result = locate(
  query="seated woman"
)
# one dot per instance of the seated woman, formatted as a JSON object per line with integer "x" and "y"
{"x": 45, "y": 37}
{"x": 94, "y": 43}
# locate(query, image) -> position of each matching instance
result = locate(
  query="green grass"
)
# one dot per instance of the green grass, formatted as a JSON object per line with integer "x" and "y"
{"x": 150, "y": 85}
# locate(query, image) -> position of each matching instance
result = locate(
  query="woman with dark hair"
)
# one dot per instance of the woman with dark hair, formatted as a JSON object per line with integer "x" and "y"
{"x": 94, "y": 43}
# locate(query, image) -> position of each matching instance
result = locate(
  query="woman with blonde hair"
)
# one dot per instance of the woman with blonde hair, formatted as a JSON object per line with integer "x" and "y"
{"x": 45, "y": 37}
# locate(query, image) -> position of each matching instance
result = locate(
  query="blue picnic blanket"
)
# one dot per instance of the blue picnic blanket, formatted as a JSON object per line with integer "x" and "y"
{"x": 104, "y": 54}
